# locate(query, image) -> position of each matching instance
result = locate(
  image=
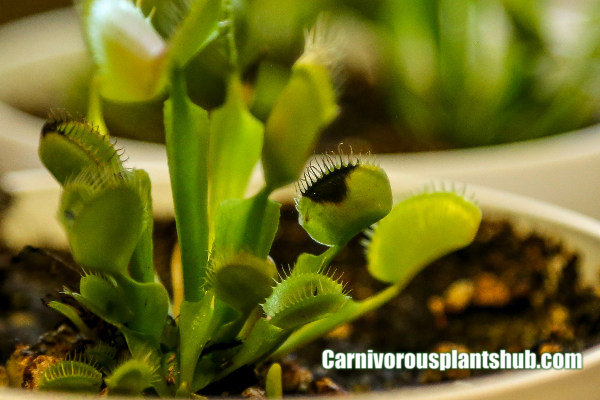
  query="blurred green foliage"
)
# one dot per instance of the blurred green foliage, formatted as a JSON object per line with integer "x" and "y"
{"x": 479, "y": 72}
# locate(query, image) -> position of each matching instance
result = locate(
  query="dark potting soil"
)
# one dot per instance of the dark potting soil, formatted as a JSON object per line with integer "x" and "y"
{"x": 507, "y": 290}
{"x": 366, "y": 126}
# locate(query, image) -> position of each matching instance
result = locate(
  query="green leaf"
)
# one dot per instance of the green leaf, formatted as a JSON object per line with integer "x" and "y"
{"x": 245, "y": 229}
{"x": 103, "y": 297}
{"x": 125, "y": 303}
{"x": 415, "y": 232}
{"x": 453, "y": 38}
{"x": 262, "y": 340}
{"x": 102, "y": 212}
{"x": 71, "y": 376}
{"x": 209, "y": 366}
{"x": 304, "y": 108}
{"x": 342, "y": 201}
{"x": 307, "y": 263}
{"x": 71, "y": 313}
{"x": 419, "y": 230}
{"x": 246, "y": 226}
{"x": 68, "y": 146}
{"x": 143, "y": 347}
{"x": 235, "y": 147}
{"x": 187, "y": 140}
{"x": 138, "y": 310}
{"x": 196, "y": 326}
{"x": 414, "y": 38}
{"x": 348, "y": 312}
{"x": 131, "y": 378}
{"x": 271, "y": 78}
{"x": 150, "y": 303}
{"x": 142, "y": 261}
{"x": 526, "y": 16}
{"x": 167, "y": 14}
{"x": 192, "y": 29}
{"x": 230, "y": 323}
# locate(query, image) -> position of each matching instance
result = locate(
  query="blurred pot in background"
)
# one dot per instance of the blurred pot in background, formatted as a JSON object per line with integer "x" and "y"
{"x": 471, "y": 73}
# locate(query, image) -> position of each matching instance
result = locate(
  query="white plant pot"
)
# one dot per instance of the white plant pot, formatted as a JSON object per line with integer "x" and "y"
{"x": 41, "y": 53}
{"x": 40, "y": 56}
{"x": 31, "y": 220}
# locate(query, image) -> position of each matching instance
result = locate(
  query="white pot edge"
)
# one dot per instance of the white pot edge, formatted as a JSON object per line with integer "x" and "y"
{"x": 32, "y": 187}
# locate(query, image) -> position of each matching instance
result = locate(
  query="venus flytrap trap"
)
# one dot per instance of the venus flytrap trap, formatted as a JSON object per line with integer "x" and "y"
{"x": 237, "y": 310}
{"x": 306, "y": 105}
{"x": 332, "y": 192}
{"x": 132, "y": 377}
{"x": 71, "y": 376}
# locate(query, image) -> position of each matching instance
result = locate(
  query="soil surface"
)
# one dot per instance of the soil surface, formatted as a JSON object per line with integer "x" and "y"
{"x": 505, "y": 291}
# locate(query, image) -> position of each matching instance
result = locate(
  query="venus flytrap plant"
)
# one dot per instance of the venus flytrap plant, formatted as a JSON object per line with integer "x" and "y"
{"x": 236, "y": 310}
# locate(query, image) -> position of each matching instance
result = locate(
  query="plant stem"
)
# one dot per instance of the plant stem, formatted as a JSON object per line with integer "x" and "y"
{"x": 256, "y": 217}
{"x": 330, "y": 254}
{"x": 95, "y": 114}
{"x": 349, "y": 312}
{"x": 187, "y": 138}
{"x": 233, "y": 55}
{"x": 249, "y": 322}
{"x": 142, "y": 261}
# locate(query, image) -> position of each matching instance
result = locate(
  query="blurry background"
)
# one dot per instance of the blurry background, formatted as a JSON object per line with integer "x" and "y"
{"x": 417, "y": 74}
{"x": 13, "y": 9}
